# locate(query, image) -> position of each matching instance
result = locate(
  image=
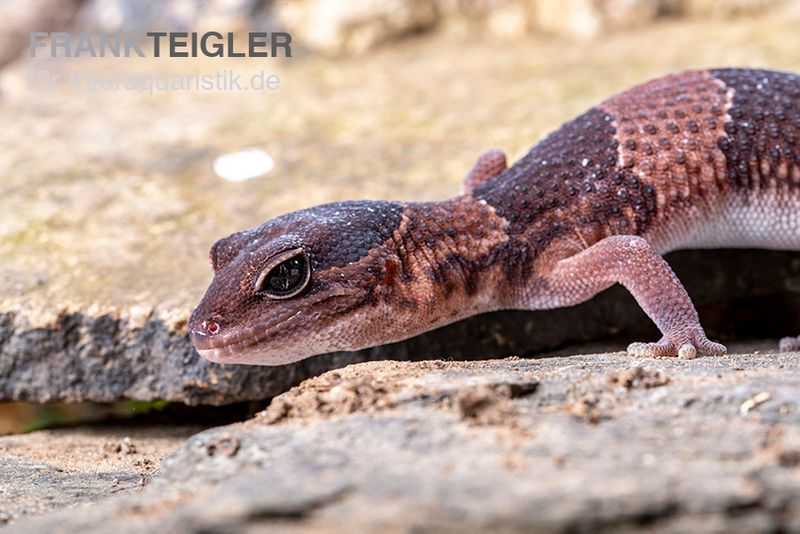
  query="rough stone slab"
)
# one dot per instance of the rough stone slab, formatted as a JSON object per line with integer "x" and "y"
{"x": 75, "y": 356}
{"x": 582, "y": 443}
{"x": 104, "y": 355}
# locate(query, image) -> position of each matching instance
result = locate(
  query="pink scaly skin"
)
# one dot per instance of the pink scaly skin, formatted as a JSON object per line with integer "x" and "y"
{"x": 700, "y": 159}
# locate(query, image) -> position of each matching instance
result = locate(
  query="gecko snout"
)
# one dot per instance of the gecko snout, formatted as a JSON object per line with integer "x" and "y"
{"x": 201, "y": 332}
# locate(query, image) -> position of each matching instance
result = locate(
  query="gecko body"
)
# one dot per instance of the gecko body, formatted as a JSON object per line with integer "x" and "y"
{"x": 699, "y": 159}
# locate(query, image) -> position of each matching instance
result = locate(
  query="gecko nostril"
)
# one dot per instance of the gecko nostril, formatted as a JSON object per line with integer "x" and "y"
{"x": 212, "y": 328}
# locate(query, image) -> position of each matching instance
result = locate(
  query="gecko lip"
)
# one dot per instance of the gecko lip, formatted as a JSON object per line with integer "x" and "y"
{"x": 240, "y": 339}
{"x": 243, "y": 340}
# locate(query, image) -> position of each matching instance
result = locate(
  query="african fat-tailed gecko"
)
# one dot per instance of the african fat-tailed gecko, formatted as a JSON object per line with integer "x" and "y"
{"x": 700, "y": 159}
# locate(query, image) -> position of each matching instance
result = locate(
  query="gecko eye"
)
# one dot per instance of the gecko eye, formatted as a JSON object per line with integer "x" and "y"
{"x": 285, "y": 276}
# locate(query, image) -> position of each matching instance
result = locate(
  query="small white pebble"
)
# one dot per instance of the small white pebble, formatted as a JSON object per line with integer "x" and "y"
{"x": 243, "y": 165}
{"x": 754, "y": 401}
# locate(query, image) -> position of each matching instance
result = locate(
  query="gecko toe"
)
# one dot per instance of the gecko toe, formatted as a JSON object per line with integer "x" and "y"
{"x": 651, "y": 350}
{"x": 789, "y": 344}
{"x": 681, "y": 347}
{"x": 706, "y": 346}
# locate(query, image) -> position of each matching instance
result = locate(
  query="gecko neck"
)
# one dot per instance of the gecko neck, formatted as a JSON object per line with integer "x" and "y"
{"x": 456, "y": 252}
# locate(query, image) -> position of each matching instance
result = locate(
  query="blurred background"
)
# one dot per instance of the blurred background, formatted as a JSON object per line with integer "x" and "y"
{"x": 111, "y": 198}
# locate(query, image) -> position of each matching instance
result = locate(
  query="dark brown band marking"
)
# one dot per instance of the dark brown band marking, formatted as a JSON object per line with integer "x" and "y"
{"x": 762, "y": 137}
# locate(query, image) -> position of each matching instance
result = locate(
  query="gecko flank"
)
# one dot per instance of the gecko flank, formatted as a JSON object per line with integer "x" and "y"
{"x": 699, "y": 159}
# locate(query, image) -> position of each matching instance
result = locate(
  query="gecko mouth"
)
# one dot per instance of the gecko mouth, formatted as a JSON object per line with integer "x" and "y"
{"x": 242, "y": 339}
{"x": 248, "y": 340}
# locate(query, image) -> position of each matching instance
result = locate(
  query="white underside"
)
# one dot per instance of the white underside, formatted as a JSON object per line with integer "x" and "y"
{"x": 766, "y": 219}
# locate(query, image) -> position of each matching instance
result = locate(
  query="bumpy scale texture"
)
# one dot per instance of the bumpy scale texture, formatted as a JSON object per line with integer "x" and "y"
{"x": 696, "y": 159}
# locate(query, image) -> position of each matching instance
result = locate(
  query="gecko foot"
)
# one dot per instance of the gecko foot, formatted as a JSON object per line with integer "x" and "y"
{"x": 685, "y": 345}
{"x": 789, "y": 344}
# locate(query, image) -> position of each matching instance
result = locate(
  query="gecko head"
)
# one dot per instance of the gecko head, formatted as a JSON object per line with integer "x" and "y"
{"x": 305, "y": 283}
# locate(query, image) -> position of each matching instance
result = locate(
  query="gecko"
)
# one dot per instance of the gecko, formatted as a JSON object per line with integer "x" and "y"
{"x": 698, "y": 159}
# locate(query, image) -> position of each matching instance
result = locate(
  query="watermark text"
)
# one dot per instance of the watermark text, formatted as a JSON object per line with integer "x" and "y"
{"x": 151, "y": 83}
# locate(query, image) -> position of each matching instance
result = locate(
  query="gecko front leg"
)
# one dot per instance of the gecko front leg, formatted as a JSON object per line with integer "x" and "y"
{"x": 632, "y": 262}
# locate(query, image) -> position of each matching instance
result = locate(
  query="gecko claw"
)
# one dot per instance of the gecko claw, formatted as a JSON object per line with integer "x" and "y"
{"x": 684, "y": 348}
{"x": 687, "y": 351}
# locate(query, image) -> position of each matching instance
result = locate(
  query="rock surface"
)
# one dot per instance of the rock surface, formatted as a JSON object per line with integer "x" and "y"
{"x": 355, "y": 26}
{"x": 334, "y": 27}
{"x": 21, "y": 17}
{"x": 582, "y": 443}
{"x": 144, "y": 15}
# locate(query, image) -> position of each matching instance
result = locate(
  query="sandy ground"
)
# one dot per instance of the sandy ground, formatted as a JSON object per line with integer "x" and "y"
{"x": 99, "y": 449}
